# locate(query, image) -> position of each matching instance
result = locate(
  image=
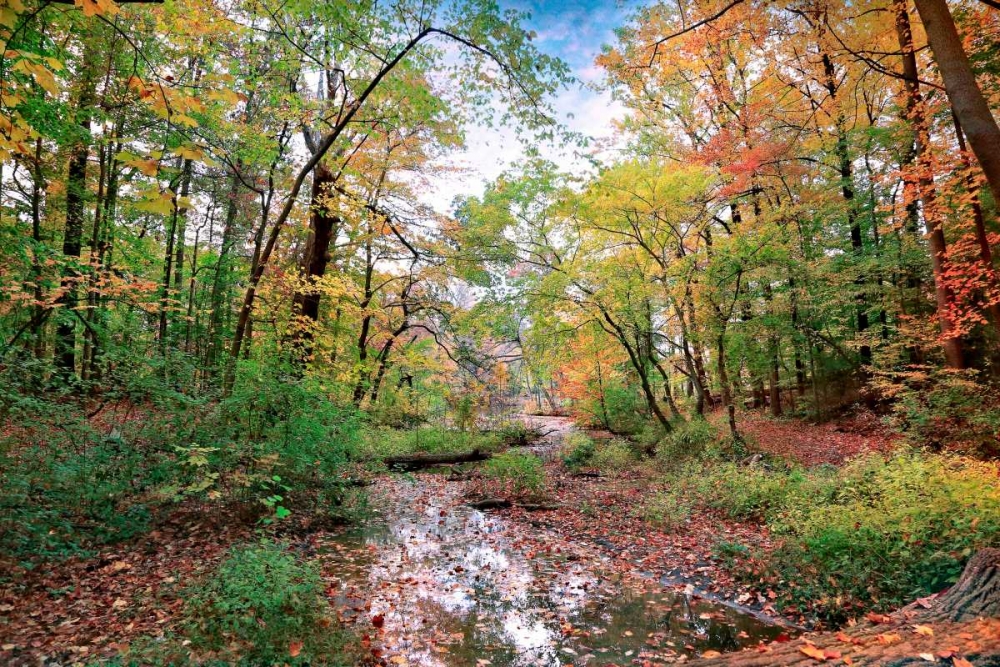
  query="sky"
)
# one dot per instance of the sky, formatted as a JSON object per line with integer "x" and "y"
{"x": 574, "y": 31}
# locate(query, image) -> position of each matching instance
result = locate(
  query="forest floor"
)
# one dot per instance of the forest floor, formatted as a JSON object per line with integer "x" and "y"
{"x": 428, "y": 580}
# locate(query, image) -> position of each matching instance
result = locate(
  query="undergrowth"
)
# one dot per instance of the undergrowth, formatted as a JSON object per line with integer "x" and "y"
{"x": 261, "y": 606}
{"x": 874, "y": 534}
{"x": 516, "y": 473}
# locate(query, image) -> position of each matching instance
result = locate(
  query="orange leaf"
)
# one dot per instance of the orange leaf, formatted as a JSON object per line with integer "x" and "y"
{"x": 813, "y": 652}
{"x": 294, "y": 648}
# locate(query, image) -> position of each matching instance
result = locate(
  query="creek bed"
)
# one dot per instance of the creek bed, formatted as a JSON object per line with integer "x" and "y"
{"x": 432, "y": 581}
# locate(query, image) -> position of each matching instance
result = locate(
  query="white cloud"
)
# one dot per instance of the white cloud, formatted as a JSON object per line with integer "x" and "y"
{"x": 575, "y": 32}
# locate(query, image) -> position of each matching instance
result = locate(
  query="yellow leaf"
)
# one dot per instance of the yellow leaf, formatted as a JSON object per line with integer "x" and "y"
{"x": 97, "y": 7}
{"x": 924, "y": 630}
{"x": 182, "y": 119}
{"x": 161, "y": 203}
{"x": 16, "y": 5}
{"x": 147, "y": 167}
{"x": 8, "y": 17}
{"x": 190, "y": 152}
{"x": 42, "y": 76}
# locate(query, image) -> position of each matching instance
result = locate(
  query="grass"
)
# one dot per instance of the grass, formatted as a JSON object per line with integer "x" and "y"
{"x": 379, "y": 443}
{"x": 874, "y": 534}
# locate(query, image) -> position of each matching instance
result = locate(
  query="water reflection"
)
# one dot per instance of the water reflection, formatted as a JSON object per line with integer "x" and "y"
{"x": 452, "y": 586}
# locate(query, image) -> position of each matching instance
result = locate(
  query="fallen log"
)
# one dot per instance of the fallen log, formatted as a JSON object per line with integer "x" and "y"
{"x": 489, "y": 503}
{"x": 419, "y": 461}
{"x": 540, "y": 507}
{"x": 498, "y": 503}
{"x": 959, "y": 627}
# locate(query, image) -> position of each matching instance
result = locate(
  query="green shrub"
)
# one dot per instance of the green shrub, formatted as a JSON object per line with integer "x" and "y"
{"x": 688, "y": 440}
{"x": 259, "y": 603}
{"x": 730, "y": 552}
{"x": 521, "y": 473}
{"x": 625, "y": 410}
{"x": 67, "y": 488}
{"x": 945, "y": 409}
{"x": 400, "y": 409}
{"x": 577, "y": 450}
{"x": 876, "y": 533}
{"x": 382, "y": 442}
{"x": 614, "y": 456}
{"x": 70, "y": 485}
{"x": 514, "y": 433}
{"x": 666, "y": 510}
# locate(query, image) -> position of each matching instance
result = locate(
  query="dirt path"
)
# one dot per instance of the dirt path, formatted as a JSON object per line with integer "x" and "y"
{"x": 431, "y": 581}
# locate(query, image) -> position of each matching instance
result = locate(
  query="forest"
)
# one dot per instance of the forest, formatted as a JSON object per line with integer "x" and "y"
{"x": 499, "y": 332}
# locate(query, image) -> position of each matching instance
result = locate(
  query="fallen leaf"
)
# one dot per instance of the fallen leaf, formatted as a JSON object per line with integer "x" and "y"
{"x": 813, "y": 652}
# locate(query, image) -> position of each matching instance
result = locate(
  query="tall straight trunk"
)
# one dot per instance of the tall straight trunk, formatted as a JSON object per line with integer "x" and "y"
{"x": 89, "y": 334}
{"x": 182, "y": 228}
{"x": 192, "y": 291}
{"x": 963, "y": 92}
{"x": 76, "y": 197}
{"x": 38, "y": 311}
{"x": 693, "y": 375}
{"x": 800, "y": 373}
{"x": 774, "y": 342}
{"x": 846, "y": 172}
{"x": 727, "y": 395}
{"x": 177, "y": 222}
{"x": 925, "y": 181}
{"x": 220, "y": 279}
{"x": 323, "y": 227}
{"x": 361, "y": 387}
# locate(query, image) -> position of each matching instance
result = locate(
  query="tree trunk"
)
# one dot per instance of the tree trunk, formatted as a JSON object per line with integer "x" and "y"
{"x": 976, "y": 594}
{"x": 76, "y": 197}
{"x": 177, "y": 222}
{"x": 418, "y": 461}
{"x": 964, "y": 619}
{"x": 220, "y": 280}
{"x": 925, "y": 181}
{"x": 960, "y": 83}
{"x": 323, "y": 226}
{"x": 38, "y": 311}
{"x": 846, "y": 172}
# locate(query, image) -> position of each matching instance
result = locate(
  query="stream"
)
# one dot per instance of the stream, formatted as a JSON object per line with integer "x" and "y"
{"x": 431, "y": 581}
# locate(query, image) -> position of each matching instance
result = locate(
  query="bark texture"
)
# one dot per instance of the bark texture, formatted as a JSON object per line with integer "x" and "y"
{"x": 962, "y": 623}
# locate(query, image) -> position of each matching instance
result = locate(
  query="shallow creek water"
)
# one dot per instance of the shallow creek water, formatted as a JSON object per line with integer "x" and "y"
{"x": 451, "y": 585}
